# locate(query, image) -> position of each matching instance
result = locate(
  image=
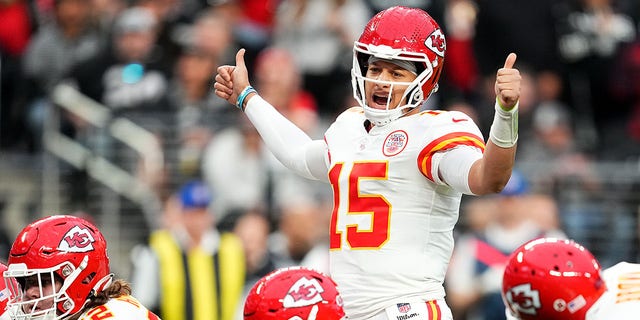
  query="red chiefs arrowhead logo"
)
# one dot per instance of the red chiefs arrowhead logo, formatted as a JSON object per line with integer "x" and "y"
{"x": 77, "y": 240}
{"x": 304, "y": 292}
{"x": 436, "y": 42}
{"x": 524, "y": 299}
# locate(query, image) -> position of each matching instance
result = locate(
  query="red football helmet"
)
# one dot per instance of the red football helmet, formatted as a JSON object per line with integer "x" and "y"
{"x": 66, "y": 250}
{"x": 295, "y": 293}
{"x": 5, "y": 294}
{"x": 399, "y": 33}
{"x": 551, "y": 279}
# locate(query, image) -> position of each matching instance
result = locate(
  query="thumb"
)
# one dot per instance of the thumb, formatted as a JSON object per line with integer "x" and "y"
{"x": 240, "y": 58}
{"x": 511, "y": 60}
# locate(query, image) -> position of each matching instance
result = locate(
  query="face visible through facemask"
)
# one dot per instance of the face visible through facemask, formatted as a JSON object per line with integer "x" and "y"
{"x": 385, "y": 84}
{"x": 38, "y": 296}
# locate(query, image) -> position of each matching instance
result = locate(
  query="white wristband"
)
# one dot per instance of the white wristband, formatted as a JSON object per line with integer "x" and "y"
{"x": 504, "y": 129}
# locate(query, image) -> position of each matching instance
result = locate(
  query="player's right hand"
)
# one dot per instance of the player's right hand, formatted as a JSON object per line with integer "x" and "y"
{"x": 231, "y": 80}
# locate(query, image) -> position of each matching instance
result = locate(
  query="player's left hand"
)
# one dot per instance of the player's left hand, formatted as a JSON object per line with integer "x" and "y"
{"x": 507, "y": 85}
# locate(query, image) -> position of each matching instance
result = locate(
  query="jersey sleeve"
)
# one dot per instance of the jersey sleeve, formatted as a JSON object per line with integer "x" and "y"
{"x": 454, "y": 144}
{"x": 288, "y": 143}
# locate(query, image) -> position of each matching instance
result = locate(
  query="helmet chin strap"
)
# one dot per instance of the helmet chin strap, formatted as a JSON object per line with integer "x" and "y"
{"x": 381, "y": 117}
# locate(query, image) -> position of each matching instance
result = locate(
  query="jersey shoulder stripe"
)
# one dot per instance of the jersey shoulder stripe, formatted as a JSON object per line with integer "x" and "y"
{"x": 443, "y": 143}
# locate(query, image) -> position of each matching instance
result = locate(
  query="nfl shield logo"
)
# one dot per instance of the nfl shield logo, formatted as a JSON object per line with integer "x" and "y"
{"x": 404, "y": 307}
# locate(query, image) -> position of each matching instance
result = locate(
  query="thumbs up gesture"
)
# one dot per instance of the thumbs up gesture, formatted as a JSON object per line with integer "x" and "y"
{"x": 507, "y": 85}
{"x": 231, "y": 80}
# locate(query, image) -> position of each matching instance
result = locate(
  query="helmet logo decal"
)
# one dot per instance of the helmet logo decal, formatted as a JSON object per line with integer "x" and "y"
{"x": 304, "y": 292}
{"x": 436, "y": 42}
{"x": 394, "y": 143}
{"x": 559, "y": 305}
{"x": 523, "y": 299}
{"x": 576, "y": 304}
{"x": 77, "y": 240}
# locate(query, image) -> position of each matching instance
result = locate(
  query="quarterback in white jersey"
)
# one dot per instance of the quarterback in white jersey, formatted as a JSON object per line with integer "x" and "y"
{"x": 397, "y": 173}
{"x": 556, "y": 279}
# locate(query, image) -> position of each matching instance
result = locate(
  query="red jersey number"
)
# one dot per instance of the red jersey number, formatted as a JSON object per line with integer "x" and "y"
{"x": 374, "y": 205}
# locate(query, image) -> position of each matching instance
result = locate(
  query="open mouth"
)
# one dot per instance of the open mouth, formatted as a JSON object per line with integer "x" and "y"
{"x": 380, "y": 100}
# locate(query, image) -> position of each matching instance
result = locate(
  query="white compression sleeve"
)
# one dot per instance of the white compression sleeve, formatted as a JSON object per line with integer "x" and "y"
{"x": 454, "y": 166}
{"x": 289, "y": 144}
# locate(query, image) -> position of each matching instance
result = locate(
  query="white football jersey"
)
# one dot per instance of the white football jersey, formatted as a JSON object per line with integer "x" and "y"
{"x": 392, "y": 225}
{"x": 121, "y": 308}
{"x": 622, "y": 300}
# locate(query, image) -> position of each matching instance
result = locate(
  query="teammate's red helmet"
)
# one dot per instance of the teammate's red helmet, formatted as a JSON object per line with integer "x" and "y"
{"x": 551, "y": 279}
{"x": 5, "y": 294}
{"x": 400, "y": 33}
{"x": 294, "y": 293}
{"x": 60, "y": 248}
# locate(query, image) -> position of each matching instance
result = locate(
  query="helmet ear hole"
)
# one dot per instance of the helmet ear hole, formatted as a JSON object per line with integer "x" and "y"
{"x": 88, "y": 278}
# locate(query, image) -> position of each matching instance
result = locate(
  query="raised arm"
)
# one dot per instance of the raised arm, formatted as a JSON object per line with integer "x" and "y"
{"x": 491, "y": 173}
{"x": 290, "y": 144}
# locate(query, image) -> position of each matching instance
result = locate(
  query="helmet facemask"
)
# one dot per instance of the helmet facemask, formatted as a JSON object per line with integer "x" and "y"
{"x": 50, "y": 299}
{"x": 414, "y": 94}
{"x": 68, "y": 249}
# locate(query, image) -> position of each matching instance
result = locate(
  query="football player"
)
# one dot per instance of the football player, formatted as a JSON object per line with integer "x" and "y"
{"x": 58, "y": 268}
{"x": 4, "y": 295}
{"x": 397, "y": 172}
{"x": 556, "y": 279}
{"x": 294, "y": 293}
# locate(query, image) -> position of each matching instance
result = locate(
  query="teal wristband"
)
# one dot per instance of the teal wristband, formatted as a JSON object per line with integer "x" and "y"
{"x": 243, "y": 95}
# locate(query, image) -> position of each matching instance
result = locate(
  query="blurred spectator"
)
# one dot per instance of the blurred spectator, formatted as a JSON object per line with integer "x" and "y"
{"x": 212, "y": 32}
{"x": 128, "y": 78}
{"x": 558, "y": 168}
{"x": 71, "y": 39}
{"x": 235, "y": 159}
{"x": 591, "y": 34}
{"x": 130, "y": 75}
{"x": 303, "y": 234}
{"x": 172, "y": 17}
{"x": 498, "y": 225}
{"x": 626, "y": 88}
{"x": 253, "y": 22}
{"x": 554, "y": 152}
{"x": 320, "y": 36}
{"x": 460, "y": 80}
{"x": 200, "y": 113}
{"x": 190, "y": 270}
{"x": 16, "y": 26}
{"x": 105, "y": 13}
{"x": 280, "y": 82}
{"x": 525, "y": 27}
{"x": 254, "y": 229}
